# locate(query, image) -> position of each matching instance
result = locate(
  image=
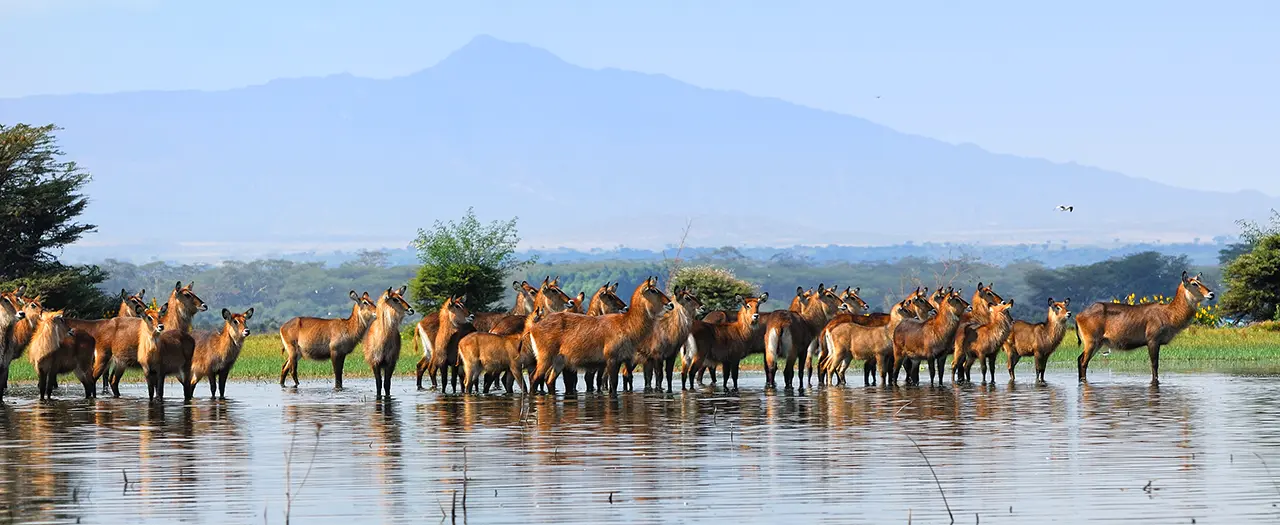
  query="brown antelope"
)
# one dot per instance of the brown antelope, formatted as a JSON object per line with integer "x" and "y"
{"x": 578, "y": 302}
{"x": 982, "y": 342}
{"x": 325, "y": 339}
{"x": 724, "y": 344}
{"x": 131, "y": 305}
{"x": 660, "y": 350}
{"x": 581, "y": 342}
{"x": 1126, "y": 327}
{"x": 850, "y": 305}
{"x": 604, "y": 301}
{"x": 49, "y": 357}
{"x": 492, "y": 354}
{"x": 917, "y": 341}
{"x": 485, "y": 321}
{"x": 846, "y": 341}
{"x": 918, "y": 306}
{"x": 453, "y": 322}
{"x": 548, "y": 295}
{"x": 170, "y": 356}
{"x": 1038, "y": 340}
{"x": 122, "y": 352}
{"x": 984, "y": 297}
{"x": 382, "y": 340}
{"x": 216, "y": 352}
{"x": 11, "y": 313}
{"x": 814, "y": 310}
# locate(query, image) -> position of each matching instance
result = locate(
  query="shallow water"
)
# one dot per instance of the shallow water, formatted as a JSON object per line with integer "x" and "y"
{"x": 1114, "y": 450}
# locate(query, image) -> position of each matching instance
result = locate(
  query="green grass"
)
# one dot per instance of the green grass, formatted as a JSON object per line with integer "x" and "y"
{"x": 1253, "y": 349}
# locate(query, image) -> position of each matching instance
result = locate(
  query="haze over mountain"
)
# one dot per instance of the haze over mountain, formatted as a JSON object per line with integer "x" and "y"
{"x": 585, "y": 158}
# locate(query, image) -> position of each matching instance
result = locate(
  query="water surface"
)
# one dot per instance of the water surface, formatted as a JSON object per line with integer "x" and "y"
{"x": 1114, "y": 450}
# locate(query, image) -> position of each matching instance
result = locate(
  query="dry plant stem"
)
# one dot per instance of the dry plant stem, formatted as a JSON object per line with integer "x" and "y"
{"x": 935, "y": 477}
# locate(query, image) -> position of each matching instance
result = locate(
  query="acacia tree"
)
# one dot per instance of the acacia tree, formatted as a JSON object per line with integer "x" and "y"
{"x": 465, "y": 258}
{"x": 40, "y": 200}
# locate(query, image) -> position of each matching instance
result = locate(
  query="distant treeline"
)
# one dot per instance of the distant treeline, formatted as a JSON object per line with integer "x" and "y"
{"x": 281, "y": 289}
{"x": 1054, "y": 254}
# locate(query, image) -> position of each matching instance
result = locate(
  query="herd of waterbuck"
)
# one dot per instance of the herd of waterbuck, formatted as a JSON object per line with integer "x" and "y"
{"x": 548, "y": 335}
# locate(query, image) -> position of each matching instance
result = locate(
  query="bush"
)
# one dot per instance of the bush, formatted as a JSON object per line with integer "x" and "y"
{"x": 465, "y": 258}
{"x": 715, "y": 287}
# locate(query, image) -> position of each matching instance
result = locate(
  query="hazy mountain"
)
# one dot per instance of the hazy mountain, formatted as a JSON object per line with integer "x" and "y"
{"x": 586, "y": 158}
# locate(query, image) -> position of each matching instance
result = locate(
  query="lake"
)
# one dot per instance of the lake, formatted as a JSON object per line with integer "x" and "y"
{"x": 1198, "y": 447}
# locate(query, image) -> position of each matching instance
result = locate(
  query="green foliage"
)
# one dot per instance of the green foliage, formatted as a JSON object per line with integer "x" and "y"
{"x": 1251, "y": 233}
{"x": 715, "y": 287}
{"x": 39, "y": 202}
{"x": 1253, "y": 281}
{"x": 465, "y": 258}
{"x": 1141, "y": 274}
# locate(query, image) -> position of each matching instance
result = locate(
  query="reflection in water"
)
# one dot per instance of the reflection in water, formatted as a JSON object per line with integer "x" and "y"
{"x": 1115, "y": 449}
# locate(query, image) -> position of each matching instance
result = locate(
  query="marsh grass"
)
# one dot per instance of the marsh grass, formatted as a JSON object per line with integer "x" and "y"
{"x": 1198, "y": 349}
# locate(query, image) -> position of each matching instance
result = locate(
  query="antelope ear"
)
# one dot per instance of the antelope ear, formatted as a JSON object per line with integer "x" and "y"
{"x": 582, "y": 296}
{"x": 142, "y": 292}
{"x": 738, "y": 299}
{"x": 1199, "y": 275}
{"x": 1067, "y": 302}
{"x": 764, "y": 297}
{"x": 189, "y": 285}
{"x": 248, "y": 314}
{"x": 164, "y": 309}
{"x": 226, "y": 314}
{"x": 979, "y": 285}
{"x": 1050, "y": 301}
{"x": 22, "y": 289}
{"x": 556, "y": 281}
{"x": 354, "y": 297}
{"x": 178, "y": 286}
{"x": 462, "y": 299}
{"x": 402, "y": 289}
{"x": 799, "y": 290}
{"x": 124, "y": 294}
{"x": 857, "y": 290}
{"x": 1184, "y": 275}
{"x": 1010, "y": 303}
{"x": 515, "y": 285}
{"x": 613, "y": 288}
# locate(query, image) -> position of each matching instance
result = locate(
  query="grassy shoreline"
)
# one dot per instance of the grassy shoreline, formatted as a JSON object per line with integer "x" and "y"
{"x": 1198, "y": 349}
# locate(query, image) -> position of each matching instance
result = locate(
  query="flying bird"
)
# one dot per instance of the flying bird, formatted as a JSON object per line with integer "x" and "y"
{"x": 1066, "y": 208}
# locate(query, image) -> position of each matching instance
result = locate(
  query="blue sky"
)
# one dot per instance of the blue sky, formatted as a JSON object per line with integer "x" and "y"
{"x": 1179, "y": 92}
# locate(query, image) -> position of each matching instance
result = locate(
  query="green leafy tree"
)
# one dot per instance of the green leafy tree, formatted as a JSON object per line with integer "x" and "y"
{"x": 1251, "y": 233}
{"x": 465, "y": 258}
{"x": 716, "y": 287}
{"x": 40, "y": 200}
{"x": 1253, "y": 281}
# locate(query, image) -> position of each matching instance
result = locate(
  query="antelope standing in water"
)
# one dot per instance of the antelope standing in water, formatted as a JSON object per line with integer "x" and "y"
{"x": 1127, "y": 327}
{"x": 11, "y": 313}
{"x": 604, "y": 301}
{"x": 217, "y": 352}
{"x": 382, "y": 340}
{"x": 453, "y": 322}
{"x": 581, "y": 342}
{"x": 916, "y": 341}
{"x": 548, "y": 295}
{"x": 175, "y": 346}
{"x": 872, "y": 344}
{"x": 1038, "y": 340}
{"x": 659, "y": 352}
{"x": 54, "y": 349}
{"x": 982, "y": 343}
{"x": 724, "y": 344}
{"x": 325, "y": 339}
{"x": 493, "y": 354}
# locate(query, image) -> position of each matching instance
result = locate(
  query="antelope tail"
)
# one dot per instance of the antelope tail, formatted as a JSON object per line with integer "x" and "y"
{"x": 771, "y": 346}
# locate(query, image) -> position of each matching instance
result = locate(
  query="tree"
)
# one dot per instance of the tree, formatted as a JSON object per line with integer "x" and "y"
{"x": 1143, "y": 274}
{"x": 40, "y": 200}
{"x": 717, "y": 288}
{"x": 465, "y": 258}
{"x": 1251, "y": 233}
{"x": 1253, "y": 281}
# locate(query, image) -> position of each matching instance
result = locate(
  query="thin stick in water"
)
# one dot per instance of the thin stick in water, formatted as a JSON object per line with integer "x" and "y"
{"x": 935, "y": 477}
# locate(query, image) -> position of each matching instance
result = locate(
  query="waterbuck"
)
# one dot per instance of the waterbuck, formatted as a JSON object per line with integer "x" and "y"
{"x": 582, "y": 342}
{"x": 11, "y": 313}
{"x": 382, "y": 340}
{"x": 846, "y": 341}
{"x": 453, "y": 322}
{"x": 659, "y": 351}
{"x": 131, "y": 305}
{"x": 981, "y": 342}
{"x": 216, "y": 352}
{"x": 121, "y": 349}
{"x": 492, "y": 355}
{"x": 1128, "y": 327}
{"x": 724, "y": 344}
{"x": 916, "y": 341}
{"x": 1038, "y": 340}
{"x": 325, "y": 339}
